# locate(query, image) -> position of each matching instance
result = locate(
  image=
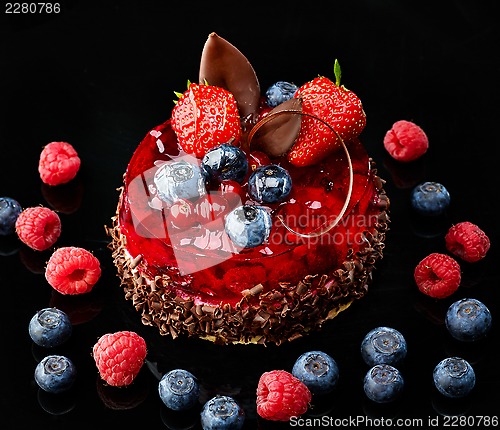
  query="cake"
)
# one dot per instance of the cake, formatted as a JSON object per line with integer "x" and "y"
{"x": 308, "y": 252}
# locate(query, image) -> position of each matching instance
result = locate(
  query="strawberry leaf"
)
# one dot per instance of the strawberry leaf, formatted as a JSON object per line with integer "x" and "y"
{"x": 337, "y": 72}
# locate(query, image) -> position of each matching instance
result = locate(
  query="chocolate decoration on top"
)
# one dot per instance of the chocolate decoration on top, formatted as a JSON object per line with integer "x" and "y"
{"x": 223, "y": 65}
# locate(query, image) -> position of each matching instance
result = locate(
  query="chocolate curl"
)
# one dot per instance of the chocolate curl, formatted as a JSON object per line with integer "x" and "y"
{"x": 223, "y": 65}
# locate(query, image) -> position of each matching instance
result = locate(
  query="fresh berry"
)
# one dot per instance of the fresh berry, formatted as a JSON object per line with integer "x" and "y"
{"x": 211, "y": 207}
{"x": 258, "y": 159}
{"x": 334, "y": 104}
{"x": 119, "y": 357}
{"x": 317, "y": 370}
{"x": 205, "y": 116}
{"x": 182, "y": 214}
{"x": 269, "y": 184}
{"x": 179, "y": 390}
{"x": 454, "y": 377}
{"x": 281, "y": 396}
{"x": 437, "y": 275}
{"x": 225, "y": 162}
{"x": 222, "y": 413}
{"x": 9, "y": 211}
{"x": 233, "y": 192}
{"x": 72, "y": 270}
{"x": 468, "y": 320}
{"x": 59, "y": 163}
{"x": 38, "y": 227}
{"x": 248, "y": 225}
{"x": 55, "y": 374}
{"x": 467, "y": 241}
{"x": 179, "y": 180}
{"x": 383, "y": 383}
{"x": 406, "y": 141}
{"x": 50, "y": 327}
{"x": 430, "y": 199}
{"x": 280, "y": 92}
{"x": 383, "y": 345}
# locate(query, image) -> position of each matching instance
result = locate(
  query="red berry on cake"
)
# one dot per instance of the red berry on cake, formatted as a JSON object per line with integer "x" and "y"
{"x": 438, "y": 275}
{"x": 281, "y": 396}
{"x": 406, "y": 141}
{"x": 59, "y": 163}
{"x": 204, "y": 117}
{"x": 467, "y": 241}
{"x": 339, "y": 107}
{"x": 119, "y": 357}
{"x": 72, "y": 270}
{"x": 38, "y": 227}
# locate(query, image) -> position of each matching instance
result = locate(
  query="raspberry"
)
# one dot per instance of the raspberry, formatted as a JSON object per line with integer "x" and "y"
{"x": 406, "y": 141}
{"x": 437, "y": 275}
{"x": 38, "y": 227}
{"x": 280, "y": 396}
{"x": 59, "y": 163}
{"x": 467, "y": 241}
{"x": 119, "y": 357}
{"x": 72, "y": 270}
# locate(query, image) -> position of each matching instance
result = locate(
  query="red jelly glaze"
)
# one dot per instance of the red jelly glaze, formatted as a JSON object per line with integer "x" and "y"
{"x": 318, "y": 194}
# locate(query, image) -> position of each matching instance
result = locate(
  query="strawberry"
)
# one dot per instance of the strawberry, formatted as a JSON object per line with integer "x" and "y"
{"x": 335, "y": 105}
{"x": 204, "y": 117}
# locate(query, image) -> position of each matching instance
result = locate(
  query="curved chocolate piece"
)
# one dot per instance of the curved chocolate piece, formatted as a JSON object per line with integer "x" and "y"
{"x": 223, "y": 65}
{"x": 276, "y": 133}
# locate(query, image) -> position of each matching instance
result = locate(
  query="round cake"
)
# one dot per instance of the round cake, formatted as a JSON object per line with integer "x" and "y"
{"x": 249, "y": 218}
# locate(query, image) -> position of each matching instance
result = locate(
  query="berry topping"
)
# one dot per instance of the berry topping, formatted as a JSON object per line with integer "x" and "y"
{"x": 383, "y": 345}
{"x": 233, "y": 192}
{"x": 221, "y": 413}
{"x": 383, "y": 383}
{"x": 178, "y": 390}
{"x": 55, "y": 374}
{"x": 182, "y": 214}
{"x": 280, "y": 396}
{"x": 50, "y": 327}
{"x": 430, "y": 199}
{"x": 317, "y": 370}
{"x": 468, "y": 320}
{"x": 59, "y": 163}
{"x": 119, "y": 357}
{"x": 467, "y": 241}
{"x": 269, "y": 184}
{"x": 280, "y": 92}
{"x": 248, "y": 225}
{"x": 437, "y": 275}
{"x": 72, "y": 270}
{"x": 454, "y": 377}
{"x": 406, "y": 141}
{"x": 9, "y": 211}
{"x": 179, "y": 180}
{"x": 38, "y": 227}
{"x": 204, "y": 117}
{"x": 258, "y": 159}
{"x": 225, "y": 162}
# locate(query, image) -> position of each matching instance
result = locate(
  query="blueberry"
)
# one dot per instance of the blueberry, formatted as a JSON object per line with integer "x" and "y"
{"x": 179, "y": 390}
{"x": 454, "y": 377}
{"x": 317, "y": 370}
{"x": 468, "y": 320}
{"x": 430, "y": 199}
{"x": 222, "y": 413}
{"x": 225, "y": 162}
{"x": 55, "y": 374}
{"x": 280, "y": 92}
{"x": 50, "y": 327}
{"x": 383, "y": 383}
{"x": 248, "y": 225}
{"x": 9, "y": 211}
{"x": 179, "y": 180}
{"x": 269, "y": 184}
{"x": 383, "y": 345}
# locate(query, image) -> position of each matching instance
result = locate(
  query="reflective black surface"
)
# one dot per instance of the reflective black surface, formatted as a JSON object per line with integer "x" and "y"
{"x": 101, "y": 75}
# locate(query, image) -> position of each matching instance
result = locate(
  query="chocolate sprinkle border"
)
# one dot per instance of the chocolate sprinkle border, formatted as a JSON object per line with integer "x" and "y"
{"x": 277, "y": 316}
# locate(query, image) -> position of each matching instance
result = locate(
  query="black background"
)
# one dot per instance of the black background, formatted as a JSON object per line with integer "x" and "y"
{"x": 101, "y": 74}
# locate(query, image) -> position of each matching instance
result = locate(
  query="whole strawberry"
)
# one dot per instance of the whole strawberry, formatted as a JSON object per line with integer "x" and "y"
{"x": 119, "y": 357}
{"x": 205, "y": 116}
{"x": 334, "y": 104}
